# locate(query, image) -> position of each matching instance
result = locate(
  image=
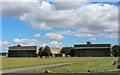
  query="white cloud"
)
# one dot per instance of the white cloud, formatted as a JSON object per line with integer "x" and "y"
{"x": 55, "y": 44}
{"x": 94, "y": 18}
{"x": 30, "y": 42}
{"x": 70, "y": 0}
{"x": 4, "y": 45}
{"x": 76, "y": 33}
{"x": 37, "y": 35}
{"x": 92, "y": 39}
{"x": 83, "y": 35}
{"x": 112, "y": 36}
{"x": 67, "y": 32}
{"x": 53, "y": 36}
{"x": 69, "y": 5}
{"x": 17, "y": 9}
{"x": 19, "y": 0}
{"x": 20, "y": 34}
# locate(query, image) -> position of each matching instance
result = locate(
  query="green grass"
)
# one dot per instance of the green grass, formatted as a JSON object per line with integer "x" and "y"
{"x": 8, "y": 63}
{"x": 98, "y": 64}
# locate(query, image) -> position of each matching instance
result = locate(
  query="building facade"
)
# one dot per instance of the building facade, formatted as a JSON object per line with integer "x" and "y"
{"x": 23, "y": 51}
{"x": 92, "y": 50}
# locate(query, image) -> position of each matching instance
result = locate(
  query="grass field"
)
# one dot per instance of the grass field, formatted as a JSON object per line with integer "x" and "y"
{"x": 8, "y": 63}
{"x": 98, "y": 64}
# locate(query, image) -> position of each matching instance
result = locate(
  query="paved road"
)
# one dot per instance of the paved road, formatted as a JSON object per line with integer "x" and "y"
{"x": 24, "y": 70}
{"x": 28, "y": 69}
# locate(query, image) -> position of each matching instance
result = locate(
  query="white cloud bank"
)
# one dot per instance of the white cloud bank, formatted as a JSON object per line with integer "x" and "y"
{"x": 53, "y": 36}
{"x": 88, "y": 20}
{"x": 19, "y": 0}
{"x": 34, "y": 42}
{"x": 69, "y": 5}
{"x": 4, "y": 45}
{"x": 27, "y": 42}
{"x": 84, "y": 18}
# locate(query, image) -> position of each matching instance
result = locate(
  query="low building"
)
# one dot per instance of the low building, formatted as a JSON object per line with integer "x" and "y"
{"x": 92, "y": 50}
{"x": 23, "y": 51}
{"x": 3, "y": 54}
{"x": 56, "y": 52}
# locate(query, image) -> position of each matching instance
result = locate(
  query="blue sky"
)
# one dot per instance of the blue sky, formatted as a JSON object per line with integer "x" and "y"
{"x": 59, "y": 24}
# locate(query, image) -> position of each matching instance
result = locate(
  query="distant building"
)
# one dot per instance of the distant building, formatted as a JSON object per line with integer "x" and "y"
{"x": 23, "y": 51}
{"x": 3, "y": 54}
{"x": 92, "y": 50}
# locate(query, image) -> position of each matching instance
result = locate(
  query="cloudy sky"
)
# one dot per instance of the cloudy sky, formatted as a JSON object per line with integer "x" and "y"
{"x": 58, "y": 24}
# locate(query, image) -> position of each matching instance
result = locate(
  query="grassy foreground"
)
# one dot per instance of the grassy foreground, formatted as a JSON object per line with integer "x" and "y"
{"x": 99, "y": 64}
{"x": 8, "y": 63}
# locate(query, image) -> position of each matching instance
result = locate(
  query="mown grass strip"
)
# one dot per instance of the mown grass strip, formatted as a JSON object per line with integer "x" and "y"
{"x": 98, "y": 64}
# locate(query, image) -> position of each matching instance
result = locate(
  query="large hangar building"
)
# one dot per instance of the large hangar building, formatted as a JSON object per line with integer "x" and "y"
{"x": 92, "y": 50}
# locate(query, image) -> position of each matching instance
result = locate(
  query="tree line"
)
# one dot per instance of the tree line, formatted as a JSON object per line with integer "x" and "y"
{"x": 69, "y": 51}
{"x": 47, "y": 52}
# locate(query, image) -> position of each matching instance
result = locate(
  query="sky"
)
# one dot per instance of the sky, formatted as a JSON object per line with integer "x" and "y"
{"x": 58, "y": 24}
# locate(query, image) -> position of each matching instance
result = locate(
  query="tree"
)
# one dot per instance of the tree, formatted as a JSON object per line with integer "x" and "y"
{"x": 40, "y": 51}
{"x": 115, "y": 50}
{"x": 88, "y": 43}
{"x": 71, "y": 52}
{"x": 19, "y": 45}
{"x": 67, "y": 50}
{"x": 47, "y": 51}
